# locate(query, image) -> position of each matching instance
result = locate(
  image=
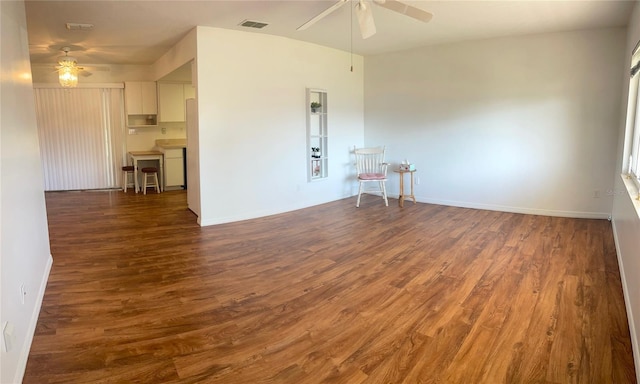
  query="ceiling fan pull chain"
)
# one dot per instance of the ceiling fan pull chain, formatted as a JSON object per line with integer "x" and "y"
{"x": 351, "y": 36}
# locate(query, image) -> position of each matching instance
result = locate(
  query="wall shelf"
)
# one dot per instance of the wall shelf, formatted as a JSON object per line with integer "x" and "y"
{"x": 317, "y": 135}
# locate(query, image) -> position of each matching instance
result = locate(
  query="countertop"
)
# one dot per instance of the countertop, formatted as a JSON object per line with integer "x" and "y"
{"x": 145, "y": 153}
{"x": 171, "y": 143}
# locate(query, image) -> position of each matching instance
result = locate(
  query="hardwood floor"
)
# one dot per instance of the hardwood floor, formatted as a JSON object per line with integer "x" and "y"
{"x": 138, "y": 293}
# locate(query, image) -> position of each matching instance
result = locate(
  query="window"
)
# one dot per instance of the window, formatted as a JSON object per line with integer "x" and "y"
{"x": 81, "y": 132}
{"x": 631, "y": 161}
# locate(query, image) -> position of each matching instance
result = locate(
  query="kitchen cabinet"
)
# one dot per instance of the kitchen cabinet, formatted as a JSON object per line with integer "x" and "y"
{"x": 189, "y": 91}
{"x": 141, "y": 103}
{"x": 171, "y": 98}
{"x": 174, "y": 167}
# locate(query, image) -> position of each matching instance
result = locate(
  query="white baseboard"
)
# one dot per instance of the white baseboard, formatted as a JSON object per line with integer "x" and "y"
{"x": 452, "y": 203}
{"x": 523, "y": 210}
{"x": 26, "y": 347}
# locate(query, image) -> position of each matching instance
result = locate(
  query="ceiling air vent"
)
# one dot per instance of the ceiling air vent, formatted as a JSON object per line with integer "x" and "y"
{"x": 79, "y": 26}
{"x": 253, "y": 24}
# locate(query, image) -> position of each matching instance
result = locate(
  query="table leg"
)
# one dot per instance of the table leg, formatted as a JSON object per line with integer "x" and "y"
{"x": 161, "y": 181}
{"x": 413, "y": 196}
{"x": 135, "y": 175}
{"x": 401, "y": 197}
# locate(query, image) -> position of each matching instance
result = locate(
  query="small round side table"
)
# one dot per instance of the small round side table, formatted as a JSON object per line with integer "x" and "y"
{"x": 402, "y": 195}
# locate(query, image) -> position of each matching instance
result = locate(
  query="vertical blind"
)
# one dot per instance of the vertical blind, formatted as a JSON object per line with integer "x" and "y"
{"x": 81, "y": 132}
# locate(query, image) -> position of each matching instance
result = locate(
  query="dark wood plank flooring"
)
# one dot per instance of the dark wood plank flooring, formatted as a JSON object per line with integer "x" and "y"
{"x": 138, "y": 293}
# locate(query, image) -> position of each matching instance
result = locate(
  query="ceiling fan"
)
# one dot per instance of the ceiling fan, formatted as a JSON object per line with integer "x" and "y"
{"x": 365, "y": 17}
{"x": 68, "y": 69}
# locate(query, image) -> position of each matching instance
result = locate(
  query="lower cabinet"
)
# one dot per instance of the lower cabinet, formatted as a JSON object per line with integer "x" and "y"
{"x": 173, "y": 168}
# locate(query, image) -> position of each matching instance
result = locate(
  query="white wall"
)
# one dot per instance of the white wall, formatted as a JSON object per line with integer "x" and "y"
{"x": 626, "y": 224}
{"x": 252, "y": 111}
{"x": 180, "y": 54}
{"x": 524, "y": 124}
{"x": 25, "y": 256}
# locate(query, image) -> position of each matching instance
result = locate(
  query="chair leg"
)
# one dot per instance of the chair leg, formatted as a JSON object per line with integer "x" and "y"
{"x": 155, "y": 176}
{"x": 359, "y": 194}
{"x": 384, "y": 193}
{"x": 144, "y": 184}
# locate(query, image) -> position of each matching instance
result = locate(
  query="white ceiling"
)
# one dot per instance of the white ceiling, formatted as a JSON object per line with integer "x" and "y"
{"x": 139, "y": 32}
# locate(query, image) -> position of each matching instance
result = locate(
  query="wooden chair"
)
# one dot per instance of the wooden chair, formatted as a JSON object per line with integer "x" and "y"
{"x": 371, "y": 168}
{"x": 126, "y": 170}
{"x": 150, "y": 172}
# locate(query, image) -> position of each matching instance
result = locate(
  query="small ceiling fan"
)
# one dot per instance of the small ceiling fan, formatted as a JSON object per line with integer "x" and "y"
{"x": 365, "y": 17}
{"x": 68, "y": 69}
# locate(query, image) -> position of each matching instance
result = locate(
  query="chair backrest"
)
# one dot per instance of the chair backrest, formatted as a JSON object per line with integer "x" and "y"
{"x": 370, "y": 161}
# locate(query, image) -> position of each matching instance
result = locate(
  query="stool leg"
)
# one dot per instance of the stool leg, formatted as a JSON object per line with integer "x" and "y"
{"x": 144, "y": 184}
{"x": 125, "y": 180}
{"x": 155, "y": 175}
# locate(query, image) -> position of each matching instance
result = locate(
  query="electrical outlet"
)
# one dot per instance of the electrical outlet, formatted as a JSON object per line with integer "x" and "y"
{"x": 417, "y": 180}
{"x": 596, "y": 194}
{"x": 23, "y": 293}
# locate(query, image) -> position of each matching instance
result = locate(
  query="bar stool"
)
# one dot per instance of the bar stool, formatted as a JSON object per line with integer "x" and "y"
{"x": 153, "y": 173}
{"x": 126, "y": 170}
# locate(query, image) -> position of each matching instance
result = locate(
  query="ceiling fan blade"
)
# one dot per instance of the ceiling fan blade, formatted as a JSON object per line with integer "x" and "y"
{"x": 365, "y": 20}
{"x": 405, "y": 9}
{"x": 322, "y": 15}
{"x": 97, "y": 68}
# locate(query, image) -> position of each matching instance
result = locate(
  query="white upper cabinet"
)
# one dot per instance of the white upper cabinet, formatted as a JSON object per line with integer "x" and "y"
{"x": 189, "y": 91}
{"x": 141, "y": 102}
{"x": 172, "y": 97}
{"x": 141, "y": 97}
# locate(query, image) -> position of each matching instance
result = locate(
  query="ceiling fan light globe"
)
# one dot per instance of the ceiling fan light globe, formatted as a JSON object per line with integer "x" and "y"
{"x": 67, "y": 69}
{"x": 68, "y": 76}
